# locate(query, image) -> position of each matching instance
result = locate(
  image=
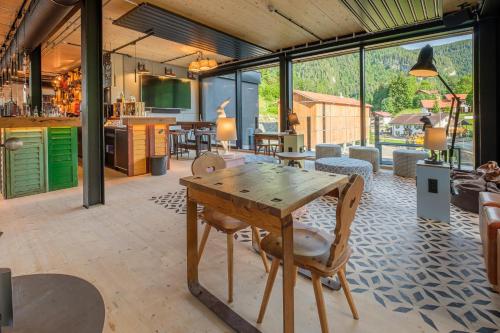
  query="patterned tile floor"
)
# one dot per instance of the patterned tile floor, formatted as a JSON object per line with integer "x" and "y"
{"x": 412, "y": 266}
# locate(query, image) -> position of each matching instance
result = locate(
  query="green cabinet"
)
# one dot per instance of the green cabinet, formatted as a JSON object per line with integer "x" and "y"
{"x": 25, "y": 168}
{"x": 62, "y": 150}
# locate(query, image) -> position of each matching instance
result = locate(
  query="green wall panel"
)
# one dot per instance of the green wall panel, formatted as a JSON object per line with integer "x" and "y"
{"x": 25, "y": 168}
{"x": 62, "y": 157}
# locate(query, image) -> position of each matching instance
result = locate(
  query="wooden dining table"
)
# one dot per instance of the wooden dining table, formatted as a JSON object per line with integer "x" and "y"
{"x": 263, "y": 195}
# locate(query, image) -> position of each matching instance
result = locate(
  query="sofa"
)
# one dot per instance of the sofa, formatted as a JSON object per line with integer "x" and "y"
{"x": 489, "y": 226}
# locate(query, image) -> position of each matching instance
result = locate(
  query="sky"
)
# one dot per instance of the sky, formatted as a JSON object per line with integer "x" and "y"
{"x": 436, "y": 42}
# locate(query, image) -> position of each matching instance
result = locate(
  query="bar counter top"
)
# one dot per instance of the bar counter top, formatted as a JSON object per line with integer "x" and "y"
{"x": 15, "y": 122}
{"x": 135, "y": 120}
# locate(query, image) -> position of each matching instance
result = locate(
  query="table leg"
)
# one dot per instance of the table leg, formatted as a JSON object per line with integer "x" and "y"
{"x": 225, "y": 313}
{"x": 198, "y": 144}
{"x": 288, "y": 274}
{"x": 192, "y": 245}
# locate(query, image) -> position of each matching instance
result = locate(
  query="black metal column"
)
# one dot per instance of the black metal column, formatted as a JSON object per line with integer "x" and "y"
{"x": 92, "y": 103}
{"x": 36, "y": 79}
{"x": 362, "y": 87}
{"x": 239, "y": 109}
{"x": 286, "y": 91}
{"x": 486, "y": 90}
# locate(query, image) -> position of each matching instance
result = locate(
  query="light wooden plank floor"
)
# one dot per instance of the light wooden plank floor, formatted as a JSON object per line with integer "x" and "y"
{"x": 133, "y": 252}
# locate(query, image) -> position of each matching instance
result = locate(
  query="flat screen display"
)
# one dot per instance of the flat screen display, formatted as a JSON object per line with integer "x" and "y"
{"x": 165, "y": 93}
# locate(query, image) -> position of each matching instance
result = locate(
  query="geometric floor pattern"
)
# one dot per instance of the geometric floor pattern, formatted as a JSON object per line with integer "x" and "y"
{"x": 409, "y": 265}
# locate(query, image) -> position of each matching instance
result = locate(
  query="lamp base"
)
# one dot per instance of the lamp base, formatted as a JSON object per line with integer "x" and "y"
{"x": 432, "y": 161}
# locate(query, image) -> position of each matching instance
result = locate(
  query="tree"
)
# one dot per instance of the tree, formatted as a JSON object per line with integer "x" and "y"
{"x": 388, "y": 105}
{"x": 436, "y": 108}
{"x": 379, "y": 95}
{"x": 401, "y": 90}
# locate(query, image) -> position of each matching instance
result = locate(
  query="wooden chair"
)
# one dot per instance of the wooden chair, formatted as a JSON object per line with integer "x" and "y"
{"x": 319, "y": 252}
{"x": 206, "y": 163}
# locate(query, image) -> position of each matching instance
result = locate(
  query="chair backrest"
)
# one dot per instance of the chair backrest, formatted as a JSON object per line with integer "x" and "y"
{"x": 207, "y": 162}
{"x": 346, "y": 211}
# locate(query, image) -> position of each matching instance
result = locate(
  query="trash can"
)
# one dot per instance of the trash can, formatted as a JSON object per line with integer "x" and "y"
{"x": 158, "y": 165}
{"x": 251, "y": 142}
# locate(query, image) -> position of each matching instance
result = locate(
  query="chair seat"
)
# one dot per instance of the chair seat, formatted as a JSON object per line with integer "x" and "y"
{"x": 222, "y": 222}
{"x": 311, "y": 247}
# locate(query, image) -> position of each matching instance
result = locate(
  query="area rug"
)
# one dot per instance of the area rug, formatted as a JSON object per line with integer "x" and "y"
{"x": 409, "y": 265}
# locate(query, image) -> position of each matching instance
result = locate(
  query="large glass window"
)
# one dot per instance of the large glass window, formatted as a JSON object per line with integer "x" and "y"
{"x": 399, "y": 101}
{"x": 260, "y": 101}
{"x": 215, "y": 90}
{"x": 326, "y": 99}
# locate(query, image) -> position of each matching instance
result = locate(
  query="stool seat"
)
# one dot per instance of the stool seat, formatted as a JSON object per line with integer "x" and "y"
{"x": 405, "y": 161}
{"x": 328, "y": 150}
{"x": 369, "y": 154}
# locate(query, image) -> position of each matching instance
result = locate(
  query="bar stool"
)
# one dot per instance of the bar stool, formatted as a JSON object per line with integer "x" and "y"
{"x": 206, "y": 163}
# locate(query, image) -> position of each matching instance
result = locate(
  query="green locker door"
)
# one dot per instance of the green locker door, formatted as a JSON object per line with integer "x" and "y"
{"x": 25, "y": 168}
{"x": 62, "y": 157}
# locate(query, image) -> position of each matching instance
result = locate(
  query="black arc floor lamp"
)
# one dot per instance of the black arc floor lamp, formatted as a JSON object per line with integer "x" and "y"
{"x": 425, "y": 68}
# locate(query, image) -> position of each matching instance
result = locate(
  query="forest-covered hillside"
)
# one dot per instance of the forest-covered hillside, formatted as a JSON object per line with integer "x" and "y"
{"x": 388, "y": 85}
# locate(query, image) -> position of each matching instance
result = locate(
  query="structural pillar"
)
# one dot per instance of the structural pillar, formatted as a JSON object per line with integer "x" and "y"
{"x": 36, "y": 79}
{"x": 239, "y": 109}
{"x": 92, "y": 103}
{"x": 362, "y": 87}
{"x": 286, "y": 91}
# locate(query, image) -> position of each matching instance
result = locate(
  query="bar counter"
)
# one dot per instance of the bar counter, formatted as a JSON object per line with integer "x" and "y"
{"x": 48, "y": 160}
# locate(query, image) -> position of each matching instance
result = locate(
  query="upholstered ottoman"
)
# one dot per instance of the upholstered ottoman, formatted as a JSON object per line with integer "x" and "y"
{"x": 490, "y": 226}
{"x": 347, "y": 166}
{"x": 369, "y": 154}
{"x": 250, "y": 158}
{"x": 328, "y": 150}
{"x": 405, "y": 161}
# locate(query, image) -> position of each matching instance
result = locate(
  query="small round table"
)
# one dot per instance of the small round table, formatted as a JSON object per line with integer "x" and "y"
{"x": 294, "y": 158}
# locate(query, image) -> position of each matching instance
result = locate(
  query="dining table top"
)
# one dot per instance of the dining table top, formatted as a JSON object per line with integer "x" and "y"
{"x": 273, "y": 189}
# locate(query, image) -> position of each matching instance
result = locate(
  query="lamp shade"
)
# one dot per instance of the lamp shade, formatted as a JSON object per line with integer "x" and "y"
{"x": 194, "y": 67}
{"x": 293, "y": 119}
{"x": 226, "y": 129}
{"x": 435, "y": 138}
{"x": 204, "y": 66}
{"x": 425, "y": 66}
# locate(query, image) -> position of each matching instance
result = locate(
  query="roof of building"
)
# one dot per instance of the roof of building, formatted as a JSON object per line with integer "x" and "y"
{"x": 329, "y": 99}
{"x": 429, "y": 103}
{"x": 384, "y": 114}
{"x": 428, "y": 92}
{"x": 448, "y": 97}
{"x": 414, "y": 118}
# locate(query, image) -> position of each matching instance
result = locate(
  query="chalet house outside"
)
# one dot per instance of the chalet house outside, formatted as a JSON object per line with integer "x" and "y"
{"x": 334, "y": 119}
{"x": 410, "y": 124}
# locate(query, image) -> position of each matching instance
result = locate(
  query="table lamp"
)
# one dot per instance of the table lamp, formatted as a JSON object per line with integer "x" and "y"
{"x": 435, "y": 139}
{"x": 226, "y": 132}
{"x": 293, "y": 120}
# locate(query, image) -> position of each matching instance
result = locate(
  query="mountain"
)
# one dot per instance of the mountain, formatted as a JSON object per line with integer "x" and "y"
{"x": 339, "y": 75}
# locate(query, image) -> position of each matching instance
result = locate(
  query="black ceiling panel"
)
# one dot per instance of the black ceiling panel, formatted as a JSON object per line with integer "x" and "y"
{"x": 168, "y": 25}
{"x": 379, "y": 15}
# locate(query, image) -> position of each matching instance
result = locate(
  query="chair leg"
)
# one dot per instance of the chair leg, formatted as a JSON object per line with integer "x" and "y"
{"x": 230, "y": 267}
{"x": 269, "y": 287}
{"x": 261, "y": 252}
{"x": 203, "y": 241}
{"x": 347, "y": 292}
{"x": 320, "y": 301}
